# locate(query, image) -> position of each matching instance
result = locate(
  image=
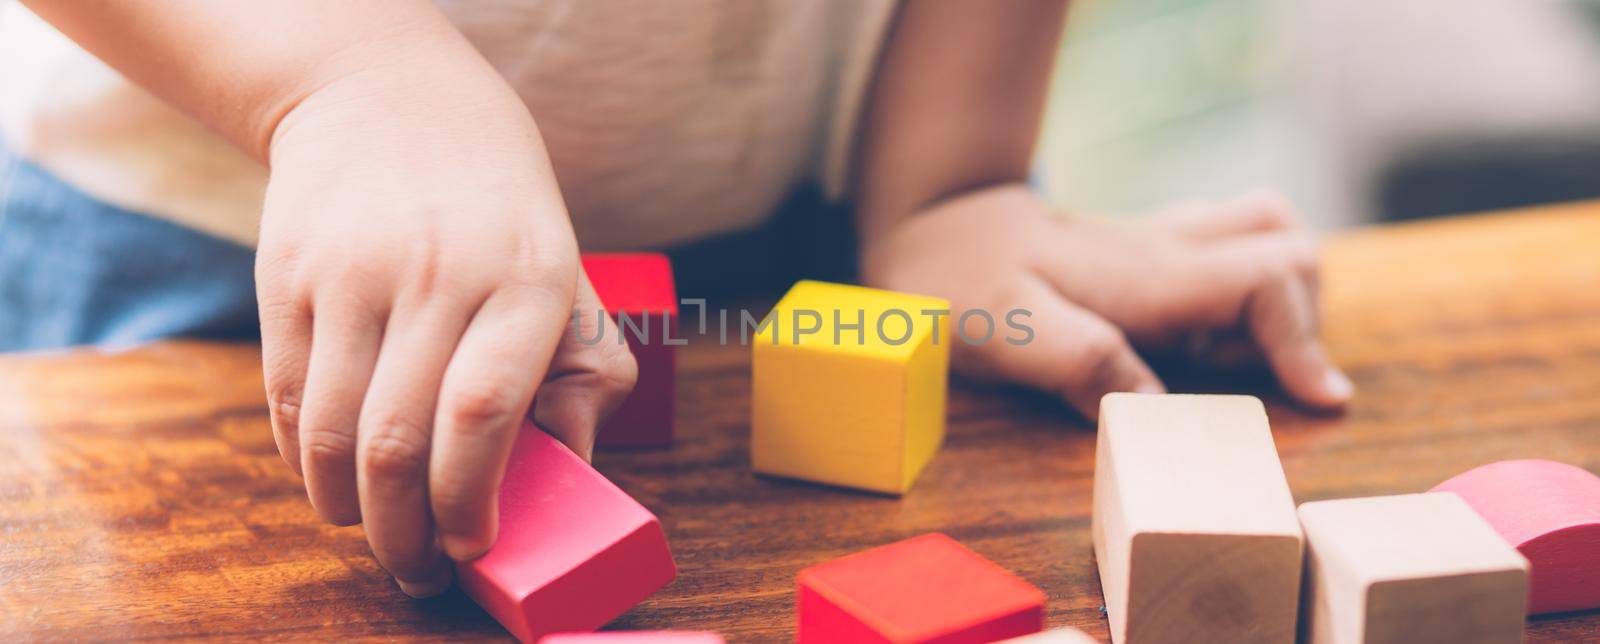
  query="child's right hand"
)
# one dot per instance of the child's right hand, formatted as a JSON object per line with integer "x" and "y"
{"x": 416, "y": 268}
{"x": 416, "y": 274}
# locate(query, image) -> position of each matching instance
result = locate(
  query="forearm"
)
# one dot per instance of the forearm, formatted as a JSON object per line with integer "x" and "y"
{"x": 240, "y": 67}
{"x": 956, "y": 105}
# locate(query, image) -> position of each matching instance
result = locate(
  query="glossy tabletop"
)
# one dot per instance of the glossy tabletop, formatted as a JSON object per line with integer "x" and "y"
{"x": 141, "y": 495}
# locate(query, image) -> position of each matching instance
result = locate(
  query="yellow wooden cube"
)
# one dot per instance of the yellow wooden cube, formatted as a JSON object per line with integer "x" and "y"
{"x": 860, "y": 408}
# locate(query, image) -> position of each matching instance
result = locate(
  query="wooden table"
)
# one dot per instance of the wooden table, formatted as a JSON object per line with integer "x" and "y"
{"x": 141, "y": 496}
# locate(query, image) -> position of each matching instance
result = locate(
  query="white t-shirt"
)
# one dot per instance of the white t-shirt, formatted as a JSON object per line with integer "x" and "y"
{"x": 666, "y": 121}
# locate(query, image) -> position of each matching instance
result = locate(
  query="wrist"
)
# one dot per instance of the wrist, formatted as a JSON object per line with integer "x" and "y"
{"x": 409, "y": 85}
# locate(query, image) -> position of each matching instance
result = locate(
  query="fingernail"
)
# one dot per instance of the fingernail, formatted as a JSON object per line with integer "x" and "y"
{"x": 462, "y": 548}
{"x": 424, "y": 589}
{"x": 1338, "y": 385}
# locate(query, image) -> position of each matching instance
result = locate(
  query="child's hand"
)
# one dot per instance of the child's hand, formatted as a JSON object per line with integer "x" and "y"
{"x": 416, "y": 274}
{"x": 416, "y": 268}
{"x": 1096, "y": 289}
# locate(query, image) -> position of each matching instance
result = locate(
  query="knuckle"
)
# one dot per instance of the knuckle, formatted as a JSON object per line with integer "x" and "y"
{"x": 428, "y": 271}
{"x": 1305, "y": 257}
{"x": 1276, "y": 207}
{"x": 1095, "y": 366}
{"x": 347, "y": 272}
{"x": 273, "y": 262}
{"x": 619, "y": 370}
{"x": 393, "y": 454}
{"x": 283, "y": 404}
{"x": 546, "y": 260}
{"x": 1099, "y": 341}
{"x": 325, "y": 449}
{"x": 545, "y": 274}
{"x": 478, "y": 407}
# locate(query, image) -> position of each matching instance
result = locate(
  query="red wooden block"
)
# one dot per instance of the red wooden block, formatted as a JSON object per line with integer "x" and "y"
{"x": 574, "y": 551}
{"x": 639, "y": 286}
{"x": 1551, "y": 513}
{"x": 924, "y": 589}
{"x": 634, "y": 637}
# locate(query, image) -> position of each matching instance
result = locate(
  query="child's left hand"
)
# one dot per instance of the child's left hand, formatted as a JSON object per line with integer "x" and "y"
{"x": 1098, "y": 289}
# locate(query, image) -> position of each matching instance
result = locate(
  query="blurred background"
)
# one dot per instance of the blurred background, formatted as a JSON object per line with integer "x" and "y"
{"x": 1359, "y": 110}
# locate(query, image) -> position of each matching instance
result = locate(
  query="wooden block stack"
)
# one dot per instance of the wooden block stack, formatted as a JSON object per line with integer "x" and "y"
{"x": 639, "y": 286}
{"x": 1550, "y": 512}
{"x": 1409, "y": 568}
{"x": 924, "y": 589}
{"x": 573, "y": 552}
{"x": 859, "y": 407}
{"x": 1194, "y": 528}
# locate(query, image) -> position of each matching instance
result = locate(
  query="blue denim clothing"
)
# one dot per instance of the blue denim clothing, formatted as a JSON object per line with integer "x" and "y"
{"x": 74, "y": 270}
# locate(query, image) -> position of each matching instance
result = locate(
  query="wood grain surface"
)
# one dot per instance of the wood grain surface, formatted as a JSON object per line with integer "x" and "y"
{"x": 141, "y": 495}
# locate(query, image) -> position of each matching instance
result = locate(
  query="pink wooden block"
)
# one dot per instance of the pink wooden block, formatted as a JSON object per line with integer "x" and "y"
{"x": 574, "y": 551}
{"x": 634, "y": 637}
{"x": 1551, "y": 513}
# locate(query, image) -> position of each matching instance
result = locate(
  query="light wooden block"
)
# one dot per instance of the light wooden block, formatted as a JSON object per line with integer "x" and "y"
{"x": 1194, "y": 528}
{"x": 574, "y": 551}
{"x": 1409, "y": 569}
{"x": 634, "y": 637}
{"x": 923, "y": 589}
{"x": 850, "y": 408}
{"x": 1550, "y": 512}
{"x": 1055, "y": 636}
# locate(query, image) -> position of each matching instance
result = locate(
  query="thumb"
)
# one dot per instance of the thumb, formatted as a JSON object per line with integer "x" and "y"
{"x": 589, "y": 377}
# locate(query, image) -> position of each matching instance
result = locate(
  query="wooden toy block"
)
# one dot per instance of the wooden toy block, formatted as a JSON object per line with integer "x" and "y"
{"x": 573, "y": 552}
{"x": 1055, "y": 636}
{"x": 640, "y": 287}
{"x": 634, "y": 637}
{"x": 854, "y": 407}
{"x": 1550, "y": 512}
{"x": 1194, "y": 528}
{"x": 923, "y": 589}
{"x": 1406, "y": 569}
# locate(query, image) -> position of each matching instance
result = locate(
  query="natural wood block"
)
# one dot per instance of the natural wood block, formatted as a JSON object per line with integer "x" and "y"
{"x": 634, "y": 637}
{"x": 1194, "y": 528}
{"x": 574, "y": 551}
{"x": 860, "y": 408}
{"x": 639, "y": 286}
{"x": 923, "y": 589}
{"x": 1550, "y": 512}
{"x": 1408, "y": 569}
{"x": 1055, "y": 636}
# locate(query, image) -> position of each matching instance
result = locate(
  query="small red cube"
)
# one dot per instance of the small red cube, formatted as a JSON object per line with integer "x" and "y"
{"x": 924, "y": 589}
{"x": 639, "y": 287}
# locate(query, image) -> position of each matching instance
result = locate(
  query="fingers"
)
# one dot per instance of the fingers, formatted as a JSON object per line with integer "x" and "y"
{"x": 285, "y": 354}
{"x": 1074, "y": 353}
{"x": 1257, "y": 211}
{"x": 344, "y": 348}
{"x": 1267, "y": 282}
{"x": 1283, "y": 321}
{"x": 486, "y": 391}
{"x": 587, "y": 381}
{"x": 394, "y": 439}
